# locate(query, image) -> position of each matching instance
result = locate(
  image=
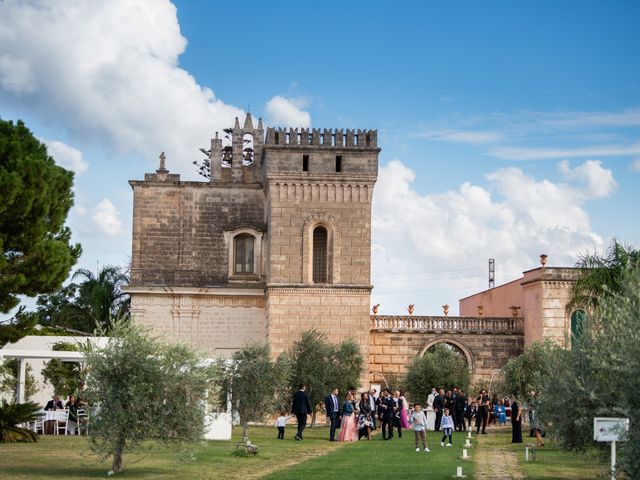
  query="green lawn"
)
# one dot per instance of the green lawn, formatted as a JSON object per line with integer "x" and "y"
{"x": 69, "y": 458}
{"x": 379, "y": 459}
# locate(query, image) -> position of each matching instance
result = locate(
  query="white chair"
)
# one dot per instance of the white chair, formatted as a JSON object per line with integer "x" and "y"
{"x": 62, "y": 420}
{"x": 83, "y": 421}
{"x": 38, "y": 424}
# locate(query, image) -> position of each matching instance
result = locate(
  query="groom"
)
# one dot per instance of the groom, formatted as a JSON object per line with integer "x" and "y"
{"x": 301, "y": 407}
{"x": 332, "y": 407}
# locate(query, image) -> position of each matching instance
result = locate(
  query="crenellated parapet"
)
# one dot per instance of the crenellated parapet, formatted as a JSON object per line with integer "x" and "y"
{"x": 338, "y": 138}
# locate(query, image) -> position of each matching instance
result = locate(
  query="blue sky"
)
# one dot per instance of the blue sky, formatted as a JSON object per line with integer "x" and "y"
{"x": 508, "y": 129}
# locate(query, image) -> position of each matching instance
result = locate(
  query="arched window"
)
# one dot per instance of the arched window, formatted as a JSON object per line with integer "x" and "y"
{"x": 578, "y": 319}
{"x": 243, "y": 253}
{"x": 320, "y": 237}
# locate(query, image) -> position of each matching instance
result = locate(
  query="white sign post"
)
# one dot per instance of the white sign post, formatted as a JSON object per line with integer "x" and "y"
{"x": 611, "y": 430}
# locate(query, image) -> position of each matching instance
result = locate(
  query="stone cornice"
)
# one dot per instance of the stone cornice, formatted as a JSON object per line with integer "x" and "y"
{"x": 321, "y": 179}
{"x": 303, "y": 289}
{"x": 189, "y": 183}
{"x": 210, "y": 291}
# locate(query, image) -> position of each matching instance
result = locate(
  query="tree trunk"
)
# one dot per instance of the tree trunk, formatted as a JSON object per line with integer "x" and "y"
{"x": 313, "y": 419}
{"x": 245, "y": 432}
{"x": 117, "y": 456}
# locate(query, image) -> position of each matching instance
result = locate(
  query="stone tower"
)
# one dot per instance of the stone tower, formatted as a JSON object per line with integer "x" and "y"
{"x": 318, "y": 189}
{"x": 277, "y": 242}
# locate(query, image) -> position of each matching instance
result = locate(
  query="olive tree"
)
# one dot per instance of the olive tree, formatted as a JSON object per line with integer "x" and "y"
{"x": 139, "y": 388}
{"x": 439, "y": 367}
{"x": 250, "y": 379}
{"x": 322, "y": 365}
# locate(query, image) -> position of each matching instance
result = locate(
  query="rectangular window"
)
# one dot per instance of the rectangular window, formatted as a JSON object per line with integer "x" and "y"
{"x": 305, "y": 163}
{"x": 243, "y": 254}
{"x": 277, "y": 139}
{"x": 338, "y": 163}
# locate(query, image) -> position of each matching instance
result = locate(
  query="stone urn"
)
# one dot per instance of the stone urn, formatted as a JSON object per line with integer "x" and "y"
{"x": 375, "y": 308}
{"x": 480, "y": 310}
{"x": 445, "y": 309}
{"x": 410, "y": 309}
{"x": 543, "y": 259}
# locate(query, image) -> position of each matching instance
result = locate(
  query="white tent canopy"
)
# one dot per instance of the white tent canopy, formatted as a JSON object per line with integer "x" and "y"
{"x": 39, "y": 348}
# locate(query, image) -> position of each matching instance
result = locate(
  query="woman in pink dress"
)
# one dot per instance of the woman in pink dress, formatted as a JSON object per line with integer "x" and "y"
{"x": 349, "y": 427}
{"x": 404, "y": 419}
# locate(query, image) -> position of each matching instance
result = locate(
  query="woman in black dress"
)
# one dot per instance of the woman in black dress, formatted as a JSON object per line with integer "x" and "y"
{"x": 364, "y": 419}
{"x": 516, "y": 422}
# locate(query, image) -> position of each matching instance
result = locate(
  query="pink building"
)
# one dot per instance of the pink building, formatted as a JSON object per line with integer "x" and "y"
{"x": 540, "y": 296}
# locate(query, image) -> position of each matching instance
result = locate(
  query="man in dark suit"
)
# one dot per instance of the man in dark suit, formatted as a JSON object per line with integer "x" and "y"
{"x": 460, "y": 406}
{"x": 438, "y": 406}
{"x": 332, "y": 407}
{"x": 301, "y": 407}
{"x": 54, "y": 404}
{"x": 386, "y": 407}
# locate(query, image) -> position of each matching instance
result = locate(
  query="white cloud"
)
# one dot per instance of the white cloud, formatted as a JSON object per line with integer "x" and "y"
{"x": 106, "y": 218}
{"x": 635, "y": 165}
{"x": 109, "y": 70}
{"x": 66, "y": 156}
{"x": 15, "y": 74}
{"x": 599, "y": 182}
{"x": 433, "y": 249}
{"x": 534, "y": 153}
{"x": 288, "y": 112}
{"x": 462, "y": 136}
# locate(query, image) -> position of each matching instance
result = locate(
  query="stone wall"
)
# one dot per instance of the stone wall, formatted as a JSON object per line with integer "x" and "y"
{"x": 217, "y": 322}
{"x": 485, "y": 347}
{"x": 178, "y": 229}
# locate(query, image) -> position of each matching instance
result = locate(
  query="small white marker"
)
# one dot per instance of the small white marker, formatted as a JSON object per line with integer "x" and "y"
{"x": 465, "y": 454}
{"x": 459, "y": 472}
{"x": 469, "y": 434}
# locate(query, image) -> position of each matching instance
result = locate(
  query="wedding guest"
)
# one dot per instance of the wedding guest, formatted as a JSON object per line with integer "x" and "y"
{"x": 418, "y": 422}
{"x": 349, "y": 427}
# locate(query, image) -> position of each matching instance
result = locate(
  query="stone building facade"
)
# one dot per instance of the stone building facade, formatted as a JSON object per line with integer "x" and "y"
{"x": 277, "y": 242}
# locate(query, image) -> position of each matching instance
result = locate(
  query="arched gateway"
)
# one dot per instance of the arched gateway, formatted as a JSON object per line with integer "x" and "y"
{"x": 486, "y": 343}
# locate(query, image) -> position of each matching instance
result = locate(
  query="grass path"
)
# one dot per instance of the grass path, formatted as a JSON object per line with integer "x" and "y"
{"x": 493, "y": 459}
{"x": 498, "y": 458}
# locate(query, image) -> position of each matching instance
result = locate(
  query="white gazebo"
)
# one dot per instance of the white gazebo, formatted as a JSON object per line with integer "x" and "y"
{"x": 37, "y": 350}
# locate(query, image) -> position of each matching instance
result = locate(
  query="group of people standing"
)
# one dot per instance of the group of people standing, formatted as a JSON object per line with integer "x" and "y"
{"x": 359, "y": 414}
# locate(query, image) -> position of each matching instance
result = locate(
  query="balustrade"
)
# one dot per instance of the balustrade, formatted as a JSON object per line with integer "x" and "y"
{"x": 446, "y": 324}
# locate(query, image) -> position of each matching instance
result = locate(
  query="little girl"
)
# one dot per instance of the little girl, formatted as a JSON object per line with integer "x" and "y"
{"x": 501, "y": 413}
{"x": 281, "y": 421}
{"x": 418, "y": 421}
{"x": 447, "y": 427}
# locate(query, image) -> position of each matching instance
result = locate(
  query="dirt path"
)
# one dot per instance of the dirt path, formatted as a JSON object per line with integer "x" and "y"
{"x": 492, "y": 459}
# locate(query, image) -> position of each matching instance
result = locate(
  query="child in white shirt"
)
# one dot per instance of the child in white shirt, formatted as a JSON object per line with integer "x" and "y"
{"x": 281, "y": 421}
{"x": 418, "y": 422}
{"x": 447, "y": 427}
